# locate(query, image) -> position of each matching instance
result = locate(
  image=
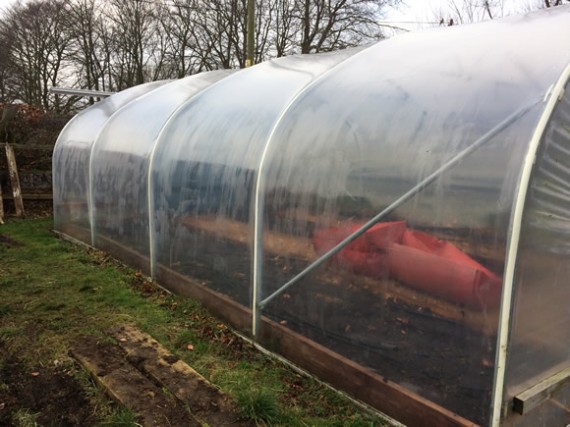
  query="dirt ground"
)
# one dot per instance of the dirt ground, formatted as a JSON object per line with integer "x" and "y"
{"x": 50, "y": 393}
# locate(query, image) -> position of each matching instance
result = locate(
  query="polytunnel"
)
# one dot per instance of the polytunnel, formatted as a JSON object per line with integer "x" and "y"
{"x": 394, "y": 219}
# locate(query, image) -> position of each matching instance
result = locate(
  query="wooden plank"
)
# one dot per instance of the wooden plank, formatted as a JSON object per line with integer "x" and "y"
{"x": 124, "y": 253}
{"x": 44, "y": 147}
{"x": 218, "y": 304}
{"x": 128, "y": 386}
{"x": 75, "y": 233}
{"x": 541, "y": 392}
{"x": 14, "y": 180}
{"x": 206, "y": 402}
{"x": 33, "y": 196}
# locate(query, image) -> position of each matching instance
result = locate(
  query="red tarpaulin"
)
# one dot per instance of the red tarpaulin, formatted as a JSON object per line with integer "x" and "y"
{"x": 366, "y": 255}
{"x": 416, "y": 259}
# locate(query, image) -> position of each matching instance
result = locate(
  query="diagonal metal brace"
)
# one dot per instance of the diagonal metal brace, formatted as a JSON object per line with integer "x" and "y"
{"x": 402, "y": 199}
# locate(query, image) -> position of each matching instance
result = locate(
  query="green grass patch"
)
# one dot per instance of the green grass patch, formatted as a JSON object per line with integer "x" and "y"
{"x": 24, "y": 418}
{"x": 53, "y": 292}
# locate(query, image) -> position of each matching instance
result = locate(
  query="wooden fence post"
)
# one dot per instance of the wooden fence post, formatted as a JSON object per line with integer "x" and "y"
{"x": 14, "y": 180}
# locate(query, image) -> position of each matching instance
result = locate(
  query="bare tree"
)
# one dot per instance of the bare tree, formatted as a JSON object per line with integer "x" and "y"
{"x": 134, "y": 38}
{"x": 187, "y": 47}
{"x": 466, "y": 11}
{"x": 6, "y": 70}
{"x": 335, "y": 24}
{"x": 285, "y": 31}
{"x": 88, "y": 48}
{"x": 456, "y": 12}
{"x": 222, "y": 31}
{"x": 551, "y": 3}
{"x": 37, "y": 45}
{"x": 114, "y": 44}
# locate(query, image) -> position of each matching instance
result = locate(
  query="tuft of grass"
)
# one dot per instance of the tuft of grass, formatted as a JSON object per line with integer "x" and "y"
{"x": 24, "y": 418}
{"x": 121, "y": 417}
{"x": 5, "y": 309}
{"x": 8, "y": 332}
{"x": 259, "y": 406}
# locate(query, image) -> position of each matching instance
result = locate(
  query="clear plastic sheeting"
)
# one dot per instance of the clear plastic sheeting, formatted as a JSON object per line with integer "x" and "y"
{"x": 353, "y": 211}
{"x": 205, "y": 167}
{"x": 120, "y": 161}
{"x": 71, "y": 159}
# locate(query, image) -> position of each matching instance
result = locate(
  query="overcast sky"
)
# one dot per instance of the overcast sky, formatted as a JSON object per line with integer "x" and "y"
{"x": 5, "y": 3}
{"x": 428, "y": 10}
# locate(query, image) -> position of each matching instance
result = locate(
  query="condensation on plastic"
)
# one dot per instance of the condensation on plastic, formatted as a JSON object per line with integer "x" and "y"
{"x": 71, "y": 158}
{"x": 364, "y": 135}
{"x": 540, "y": 336}
{"x": 205, "y": 167}
{"x": 120, "y": 161}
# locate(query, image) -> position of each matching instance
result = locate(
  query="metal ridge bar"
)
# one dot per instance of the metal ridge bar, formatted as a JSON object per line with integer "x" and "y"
{"x": 80, "y": 92}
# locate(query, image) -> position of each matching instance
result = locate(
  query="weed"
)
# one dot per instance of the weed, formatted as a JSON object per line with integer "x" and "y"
{"x": 259, "y": 405}
{"x": 24, "y": 418}
{"x": 121, "y": 417}
{"x": 8, "y": 332}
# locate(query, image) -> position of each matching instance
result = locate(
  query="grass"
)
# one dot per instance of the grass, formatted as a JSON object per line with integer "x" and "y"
{"x": 53, "y": 292}
{"x": 24, "y": 418}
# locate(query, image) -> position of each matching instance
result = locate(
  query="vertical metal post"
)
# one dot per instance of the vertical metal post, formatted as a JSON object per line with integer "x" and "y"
{"x": 152, "y": 207}
{"x": 250, "y": 32}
